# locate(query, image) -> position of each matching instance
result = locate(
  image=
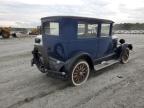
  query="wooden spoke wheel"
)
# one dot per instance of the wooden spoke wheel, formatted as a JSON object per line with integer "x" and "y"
{"x": 80, "y": 73}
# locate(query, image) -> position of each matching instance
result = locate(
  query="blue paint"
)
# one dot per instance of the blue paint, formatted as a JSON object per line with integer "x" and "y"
{"x": 67, "y": 44}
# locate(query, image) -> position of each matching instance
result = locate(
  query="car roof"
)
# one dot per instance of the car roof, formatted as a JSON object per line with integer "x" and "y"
{"x": 78, "y": 18}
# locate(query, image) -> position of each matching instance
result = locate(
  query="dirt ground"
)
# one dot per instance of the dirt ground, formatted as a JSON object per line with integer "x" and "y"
{"x": 23, "y": 86}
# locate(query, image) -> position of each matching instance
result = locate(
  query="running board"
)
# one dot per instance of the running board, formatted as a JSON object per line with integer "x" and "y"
{"x": 105, "y": 64}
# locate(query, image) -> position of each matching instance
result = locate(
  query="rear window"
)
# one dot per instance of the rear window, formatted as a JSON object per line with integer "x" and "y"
{"x": 51, "y": 28}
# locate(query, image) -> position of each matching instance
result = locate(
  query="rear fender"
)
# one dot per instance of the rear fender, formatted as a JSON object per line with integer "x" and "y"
{"x": 69, "y": 63}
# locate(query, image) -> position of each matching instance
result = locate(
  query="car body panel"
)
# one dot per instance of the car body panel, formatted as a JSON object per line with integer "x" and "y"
{"x": 66, "y": 46}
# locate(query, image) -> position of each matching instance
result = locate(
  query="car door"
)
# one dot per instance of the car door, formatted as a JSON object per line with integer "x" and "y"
{"x": 105, "y": 44}
{"x": 85, "y": 40}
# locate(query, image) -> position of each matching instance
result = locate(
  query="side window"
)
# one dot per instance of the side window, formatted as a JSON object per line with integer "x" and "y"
{"x": 81, "y": 29}
{"x": 86, "y": 30}
{"x": 105, "y": 30}
{"x": 51, "y": 28}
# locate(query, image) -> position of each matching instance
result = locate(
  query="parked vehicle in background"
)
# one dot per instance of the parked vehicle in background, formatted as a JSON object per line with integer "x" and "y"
{"x": 71, "y": 47}
{"x": 5, "y": 32}
{"x": 35, "y": 31}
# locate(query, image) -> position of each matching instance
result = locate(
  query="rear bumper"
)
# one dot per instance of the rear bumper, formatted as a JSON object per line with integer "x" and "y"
{"x": 55, "y": 64}
{"x": 54, "y": 73}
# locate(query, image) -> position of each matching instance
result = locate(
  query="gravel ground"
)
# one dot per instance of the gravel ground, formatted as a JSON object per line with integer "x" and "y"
{"x": 23, "y": 86}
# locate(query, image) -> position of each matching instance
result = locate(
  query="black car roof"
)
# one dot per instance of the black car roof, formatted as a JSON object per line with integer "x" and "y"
{"x": 79, "y": 18}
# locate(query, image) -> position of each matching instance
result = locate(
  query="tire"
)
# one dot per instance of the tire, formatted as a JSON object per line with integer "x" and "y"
{"x": 124, "y": 58}
{"x": 79, "y": 73}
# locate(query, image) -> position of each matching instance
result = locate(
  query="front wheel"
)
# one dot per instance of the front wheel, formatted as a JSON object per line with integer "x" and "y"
{"x": 79, "y": 73}
{"x": 124, "y": 56}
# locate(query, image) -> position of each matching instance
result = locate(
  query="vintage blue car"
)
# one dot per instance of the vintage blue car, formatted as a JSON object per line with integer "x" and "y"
{"x": 71, "y": 47}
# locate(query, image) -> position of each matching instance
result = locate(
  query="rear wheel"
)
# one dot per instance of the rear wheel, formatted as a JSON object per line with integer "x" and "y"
{"x": 80, "y": 73}
{"x": 125, "y": 56}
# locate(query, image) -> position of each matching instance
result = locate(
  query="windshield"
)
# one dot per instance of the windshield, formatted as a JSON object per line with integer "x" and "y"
{"x": 51, "y": 28}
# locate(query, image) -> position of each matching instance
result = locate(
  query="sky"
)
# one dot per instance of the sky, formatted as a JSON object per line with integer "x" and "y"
{"x": 27, "y": 13}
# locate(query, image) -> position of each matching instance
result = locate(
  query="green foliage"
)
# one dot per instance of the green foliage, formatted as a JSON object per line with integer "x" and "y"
{"x": 129, "y": 26}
